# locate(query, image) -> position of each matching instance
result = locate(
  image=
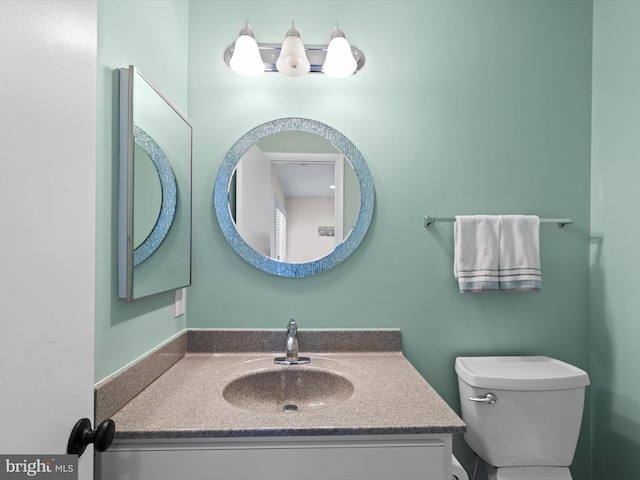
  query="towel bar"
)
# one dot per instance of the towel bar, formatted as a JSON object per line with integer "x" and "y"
{"x": 561, "y": 221}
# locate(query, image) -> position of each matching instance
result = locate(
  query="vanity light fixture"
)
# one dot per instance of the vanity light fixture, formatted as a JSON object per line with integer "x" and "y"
{"x": 292, "y": 58}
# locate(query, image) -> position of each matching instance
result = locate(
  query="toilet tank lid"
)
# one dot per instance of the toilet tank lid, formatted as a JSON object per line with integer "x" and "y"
{"x": 520, "y": 373}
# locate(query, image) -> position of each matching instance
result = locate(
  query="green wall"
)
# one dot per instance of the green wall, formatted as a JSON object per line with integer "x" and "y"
{"x": 153, "y": 36}
{"x": 462, "y": 108}
{"x": 615, "y": 303}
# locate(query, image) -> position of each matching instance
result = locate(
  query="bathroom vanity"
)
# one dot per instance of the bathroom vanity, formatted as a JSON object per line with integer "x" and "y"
{"x": 358, "y": 410}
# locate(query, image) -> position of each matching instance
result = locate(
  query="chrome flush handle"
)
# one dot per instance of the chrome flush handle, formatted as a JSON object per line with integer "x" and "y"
{"x": 489, "y": 398}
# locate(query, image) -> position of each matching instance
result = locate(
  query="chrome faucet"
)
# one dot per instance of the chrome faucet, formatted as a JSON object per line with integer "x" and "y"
{"x": 291, "y": 348}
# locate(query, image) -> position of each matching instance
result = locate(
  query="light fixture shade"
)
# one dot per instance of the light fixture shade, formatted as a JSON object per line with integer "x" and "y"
{"x": 293, "y": 61}
{"x": 340, "y": 61}
{"x": 246, "y": 59}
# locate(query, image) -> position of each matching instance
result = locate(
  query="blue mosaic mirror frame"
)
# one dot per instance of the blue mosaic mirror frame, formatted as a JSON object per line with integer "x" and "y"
{"x": 169, "y": 196}
{"x": 342, "y": 250}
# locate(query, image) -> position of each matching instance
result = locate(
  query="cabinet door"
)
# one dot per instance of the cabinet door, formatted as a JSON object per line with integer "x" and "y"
{"x": 410, "y": 461}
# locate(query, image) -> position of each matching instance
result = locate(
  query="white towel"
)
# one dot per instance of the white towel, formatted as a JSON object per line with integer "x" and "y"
{"x": 476, "y": 252}
{"x": 520, "y": 253}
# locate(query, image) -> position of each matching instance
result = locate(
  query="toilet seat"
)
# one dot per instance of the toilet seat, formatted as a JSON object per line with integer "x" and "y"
{"x": 528, "y": 473}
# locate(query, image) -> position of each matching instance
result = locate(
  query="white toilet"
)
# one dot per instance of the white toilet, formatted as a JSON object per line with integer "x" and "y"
{"x": 523, "y": 414}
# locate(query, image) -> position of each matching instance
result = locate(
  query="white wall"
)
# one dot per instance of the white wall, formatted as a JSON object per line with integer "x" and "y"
{"x": 304, "y": 216}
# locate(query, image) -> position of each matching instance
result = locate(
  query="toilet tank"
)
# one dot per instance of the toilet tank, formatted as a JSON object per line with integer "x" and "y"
{"x": 536, "y": 417}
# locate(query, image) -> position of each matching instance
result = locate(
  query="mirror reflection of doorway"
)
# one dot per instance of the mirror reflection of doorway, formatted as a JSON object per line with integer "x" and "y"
{"x": 311, "y": 191}
{"x": 294, "y": 207}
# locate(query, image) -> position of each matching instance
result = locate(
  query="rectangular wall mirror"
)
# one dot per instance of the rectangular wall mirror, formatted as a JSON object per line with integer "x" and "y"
{"x": 154, "y": 231}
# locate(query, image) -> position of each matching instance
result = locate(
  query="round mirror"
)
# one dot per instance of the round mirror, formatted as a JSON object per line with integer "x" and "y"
{"x": 294, "y": 197}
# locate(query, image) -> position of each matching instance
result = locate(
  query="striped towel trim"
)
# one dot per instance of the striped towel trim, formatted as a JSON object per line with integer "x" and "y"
{"x": 479, "y": 280}
{"x": 478, "y": 286}
{"x": 524, "y": 279}
{"x": 520, "y": 285}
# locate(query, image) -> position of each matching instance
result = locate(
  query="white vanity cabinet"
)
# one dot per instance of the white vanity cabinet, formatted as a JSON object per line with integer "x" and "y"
{"x": 366, "y": 457}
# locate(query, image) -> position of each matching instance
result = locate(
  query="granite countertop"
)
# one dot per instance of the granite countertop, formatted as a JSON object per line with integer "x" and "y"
{"x": 390, "y": 397}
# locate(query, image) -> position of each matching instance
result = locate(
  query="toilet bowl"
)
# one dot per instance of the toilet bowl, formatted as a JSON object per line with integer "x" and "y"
{"x": 523, "y": 414}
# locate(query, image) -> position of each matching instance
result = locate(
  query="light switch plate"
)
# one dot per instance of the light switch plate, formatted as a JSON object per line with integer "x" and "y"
{"x": 178, "y": 304}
